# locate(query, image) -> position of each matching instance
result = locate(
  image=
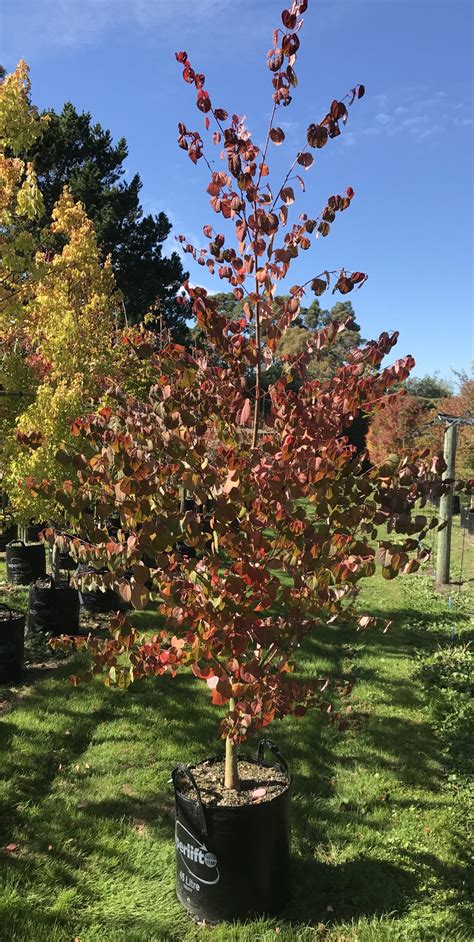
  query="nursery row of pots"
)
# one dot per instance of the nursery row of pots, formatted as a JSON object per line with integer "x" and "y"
{"x": 467, "y": 519}
{"x": 53, "y": 606}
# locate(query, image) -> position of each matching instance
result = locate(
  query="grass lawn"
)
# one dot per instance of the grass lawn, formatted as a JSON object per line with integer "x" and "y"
{"x": 380, "y": 829}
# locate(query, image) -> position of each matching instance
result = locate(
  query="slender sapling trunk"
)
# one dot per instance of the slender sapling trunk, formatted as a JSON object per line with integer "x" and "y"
{"x": 231, "y": 775}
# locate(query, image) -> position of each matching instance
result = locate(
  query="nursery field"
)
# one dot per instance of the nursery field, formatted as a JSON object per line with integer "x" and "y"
{"x": 380, "y": 811}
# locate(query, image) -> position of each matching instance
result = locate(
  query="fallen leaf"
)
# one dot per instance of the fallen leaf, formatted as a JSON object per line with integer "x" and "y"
{"x": 259, "y": 793}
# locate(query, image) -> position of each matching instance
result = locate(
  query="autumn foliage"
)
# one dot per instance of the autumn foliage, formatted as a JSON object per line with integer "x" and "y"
{"x": 406, "y": 422}
{"x": 401, "y": 424}
{"x": 245, "y": 534}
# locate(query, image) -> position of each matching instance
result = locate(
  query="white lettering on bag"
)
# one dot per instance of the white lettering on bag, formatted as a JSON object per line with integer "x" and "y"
{"x": 192, "y": 851}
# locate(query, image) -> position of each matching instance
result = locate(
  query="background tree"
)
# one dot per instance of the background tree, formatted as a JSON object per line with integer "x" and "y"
{"x": 59, "y": 313}
{"x": 21, "y": 206}
{"x": 66, "y": 330}
{"x": 401, "y": 425}
{"x": 313, "y": 318}
{"x": 75, "y": 152}
{"x": 429, "y": 386}
{"x": 462, "y": 404}
{"x": 409, "y": 420}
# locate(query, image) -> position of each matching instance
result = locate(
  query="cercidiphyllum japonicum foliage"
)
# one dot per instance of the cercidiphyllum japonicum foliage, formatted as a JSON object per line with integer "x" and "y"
{"x": 58, "y": 327}
{"x": 280, "y": 522}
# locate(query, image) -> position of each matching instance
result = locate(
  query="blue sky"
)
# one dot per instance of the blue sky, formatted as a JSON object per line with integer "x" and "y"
{"x": 406, "y": 150}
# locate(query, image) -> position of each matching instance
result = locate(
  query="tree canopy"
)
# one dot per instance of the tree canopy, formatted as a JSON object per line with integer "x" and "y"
{"x": 59, "y": 325}
{"x": 322, "y": 364}
{"x": 80, "y": 154}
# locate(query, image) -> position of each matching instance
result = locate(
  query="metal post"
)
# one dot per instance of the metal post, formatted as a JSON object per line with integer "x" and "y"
{"x": 446, "y": 507}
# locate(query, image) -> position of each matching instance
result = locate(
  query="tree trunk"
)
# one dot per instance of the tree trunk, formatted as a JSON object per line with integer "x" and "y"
{"x": 231, "y": 775}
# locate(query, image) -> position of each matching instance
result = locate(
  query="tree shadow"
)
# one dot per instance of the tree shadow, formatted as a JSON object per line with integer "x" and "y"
{"x": 363, "y": 886}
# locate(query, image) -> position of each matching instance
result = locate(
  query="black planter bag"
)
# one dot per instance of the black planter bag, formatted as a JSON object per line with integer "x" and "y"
{"x": 232, "y": 863}
{"x": 25, "y": 563}
{"x": 94, "y": 600}
{"x": 53, "y": 609}
{"x": 33, "y": 531}
{"x": 470, "y": 522}
{"x": 8, "y": 532}
{"x": 12, "y": 645}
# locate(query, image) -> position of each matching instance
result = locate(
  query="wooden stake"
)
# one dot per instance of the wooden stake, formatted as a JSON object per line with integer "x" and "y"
{"x": 446, "y": 507}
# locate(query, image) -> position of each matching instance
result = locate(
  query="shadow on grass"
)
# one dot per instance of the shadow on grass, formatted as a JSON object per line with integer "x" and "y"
{"x": 185, "y": 730}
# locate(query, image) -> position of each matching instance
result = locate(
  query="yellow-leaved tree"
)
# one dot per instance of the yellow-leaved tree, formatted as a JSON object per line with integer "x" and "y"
{"x": 57, "y": 313}
{"x": 20, "y": 203}
{"x": 69, "y": 323}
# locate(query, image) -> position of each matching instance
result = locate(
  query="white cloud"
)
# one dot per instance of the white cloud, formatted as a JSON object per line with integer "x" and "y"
{"x": 79, "y": 22}
{"x": 423, "y": 114}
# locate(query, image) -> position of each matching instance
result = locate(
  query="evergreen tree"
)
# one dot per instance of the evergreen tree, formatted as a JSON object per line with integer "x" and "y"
{"x": 76, "y": 153}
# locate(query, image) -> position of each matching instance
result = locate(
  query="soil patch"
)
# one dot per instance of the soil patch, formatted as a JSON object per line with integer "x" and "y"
{"x": 258, "y": 783}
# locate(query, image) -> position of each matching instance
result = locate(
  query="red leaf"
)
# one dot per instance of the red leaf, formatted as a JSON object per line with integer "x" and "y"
{"x": 275, "y": 59}
{"x": 287, "y": 195}
{"x": 203, "y": 101}
{"x": 288, "y": 19}
{"x": 181, "y": 56}
{"x": 317, "y": 135}
{"x": 318, "y": 286}
{"x": 361, "y": 91}
{"x": 305, "y": 160}
{"x": 277, "y": 135}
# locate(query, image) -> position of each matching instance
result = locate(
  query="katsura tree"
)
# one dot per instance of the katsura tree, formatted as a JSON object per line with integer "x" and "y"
{"x": 283, "y": 524}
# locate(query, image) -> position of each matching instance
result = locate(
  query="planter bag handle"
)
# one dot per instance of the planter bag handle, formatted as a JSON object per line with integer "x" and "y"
{"x": 7, "y": 609}
{"x": 186, "y": 771}
{"x": 15, "y": 542}
{"x": 273, "y": 748}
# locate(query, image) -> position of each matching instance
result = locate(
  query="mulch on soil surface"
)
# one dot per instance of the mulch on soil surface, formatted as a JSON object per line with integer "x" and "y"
{"x": 258, "y": 783}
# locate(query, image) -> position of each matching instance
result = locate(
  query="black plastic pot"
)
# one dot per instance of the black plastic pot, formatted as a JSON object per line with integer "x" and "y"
{"x": 8, "y": 532}
{"x": 12, "y": 644}
{"x": 464, "y": 516}
{"x": 25, "y": 562}
{"x": 33, "y": 531}
{"x": 232, "y": 862}
{"x": 53, "y": 609}
{"x": 66, "y": 562}
{"x": 96, "y": 601}
{"x": 456, "y": 504}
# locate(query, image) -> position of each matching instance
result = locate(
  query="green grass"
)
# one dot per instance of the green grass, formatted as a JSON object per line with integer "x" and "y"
{"x": 379, "y": 819}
